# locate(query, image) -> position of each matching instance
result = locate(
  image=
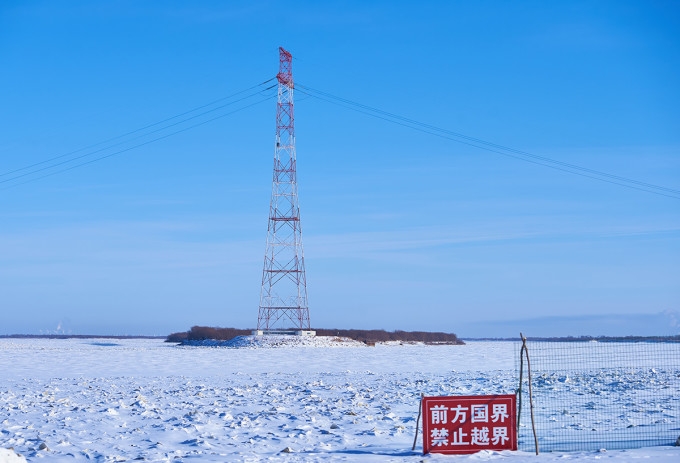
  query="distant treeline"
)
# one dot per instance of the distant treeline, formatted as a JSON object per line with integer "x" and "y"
{"x": 74, "y": 336}
{"x": 370, "y": 336}
{"x": 610, "y": 339}
{"x": 200, "y": 333}
{"x": 589, "y": 338}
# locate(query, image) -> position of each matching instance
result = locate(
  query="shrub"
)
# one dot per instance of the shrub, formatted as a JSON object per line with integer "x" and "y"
{"x": 177, "y": 337}
{"x": 373, "y": 336}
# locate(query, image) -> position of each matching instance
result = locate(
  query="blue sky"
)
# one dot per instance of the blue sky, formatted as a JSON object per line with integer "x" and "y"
{"x": 402, "y": 230}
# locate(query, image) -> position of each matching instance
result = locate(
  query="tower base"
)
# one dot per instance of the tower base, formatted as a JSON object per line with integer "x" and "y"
{"x": 305, "y": 333}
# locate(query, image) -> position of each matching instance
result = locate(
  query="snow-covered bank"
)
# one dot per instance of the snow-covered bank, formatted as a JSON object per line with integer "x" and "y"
{"x": 277, "y": 341}
{"x": 144, "y": 399}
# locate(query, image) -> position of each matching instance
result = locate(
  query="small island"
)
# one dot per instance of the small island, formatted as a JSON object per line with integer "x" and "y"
{"x": 369, "y": 337}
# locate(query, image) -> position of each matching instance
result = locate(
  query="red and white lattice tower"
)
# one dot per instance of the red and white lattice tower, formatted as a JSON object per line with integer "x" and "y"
{"x": 283, "y": 298}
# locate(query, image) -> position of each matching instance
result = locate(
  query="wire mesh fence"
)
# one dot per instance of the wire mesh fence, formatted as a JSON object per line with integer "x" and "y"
{"x": 595, "y": 395}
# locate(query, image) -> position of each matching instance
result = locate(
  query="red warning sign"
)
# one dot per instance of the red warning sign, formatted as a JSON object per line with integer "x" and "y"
{"x": 468, "y": 424}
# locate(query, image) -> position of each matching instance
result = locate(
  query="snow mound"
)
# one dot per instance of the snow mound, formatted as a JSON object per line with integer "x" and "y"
{"x": 10, "y": 456}
{"x": 278, "y": 340}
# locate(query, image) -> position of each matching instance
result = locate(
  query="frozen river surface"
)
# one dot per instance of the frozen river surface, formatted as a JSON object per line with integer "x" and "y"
{"x": 145, "y": 400}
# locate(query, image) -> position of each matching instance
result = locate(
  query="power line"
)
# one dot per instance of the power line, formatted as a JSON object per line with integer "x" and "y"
{"x": 125, "y": 140}
{"x": 490, "y": 146}
{"x": 137, "y": 145}
{"x": 327, "y": 97}
{"x": 140, "y": 129}
{"x": 491, "y": 149}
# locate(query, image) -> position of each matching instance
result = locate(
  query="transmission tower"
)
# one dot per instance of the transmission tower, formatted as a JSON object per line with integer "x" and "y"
{"x": 283, "y": 298}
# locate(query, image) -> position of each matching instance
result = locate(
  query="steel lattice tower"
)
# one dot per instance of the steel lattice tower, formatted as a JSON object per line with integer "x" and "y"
{"x": 283, "y": 298}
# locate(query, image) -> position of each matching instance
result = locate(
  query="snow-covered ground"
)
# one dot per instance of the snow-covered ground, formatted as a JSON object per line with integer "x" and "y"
{"x": 115, "y": 400}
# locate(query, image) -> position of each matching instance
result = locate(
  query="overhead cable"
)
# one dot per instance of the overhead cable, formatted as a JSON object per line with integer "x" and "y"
{"x": 139, "y": 129}
{"x": 142, "y": 132}
{"x": 490, "y": 146}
